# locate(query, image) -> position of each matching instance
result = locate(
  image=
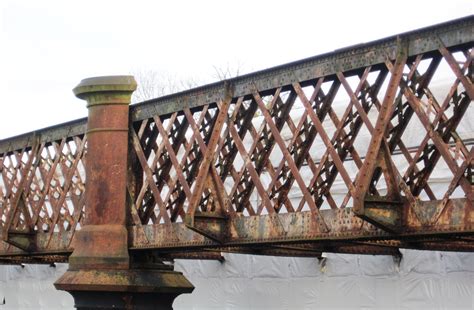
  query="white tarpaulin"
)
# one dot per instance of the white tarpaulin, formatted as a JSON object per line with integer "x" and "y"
{"x": 421, "y": 280}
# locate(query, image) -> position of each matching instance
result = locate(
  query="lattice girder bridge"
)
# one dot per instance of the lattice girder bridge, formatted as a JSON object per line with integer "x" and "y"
{"x": 336, "y": 153}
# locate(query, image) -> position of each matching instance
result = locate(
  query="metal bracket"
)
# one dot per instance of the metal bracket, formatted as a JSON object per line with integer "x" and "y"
{"x": 383, "y": 213}
{"x": 22, "y": 240}
{"x": 209, "y": 224}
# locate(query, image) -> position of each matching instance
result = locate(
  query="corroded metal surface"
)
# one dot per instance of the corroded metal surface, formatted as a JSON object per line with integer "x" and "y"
{"x": 214, "y": 168}
{"x": 102, "y": 242}
{"x": 101, "y": 272}
{"x": 124, "y": 289}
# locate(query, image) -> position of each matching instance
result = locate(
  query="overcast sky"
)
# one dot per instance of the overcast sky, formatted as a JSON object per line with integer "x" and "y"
{"x": 48, "y": 46}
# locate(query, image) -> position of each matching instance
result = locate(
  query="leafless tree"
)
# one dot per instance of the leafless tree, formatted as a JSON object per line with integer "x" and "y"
{"x": 228, "y": 71}
{"x": 153, "y": 84}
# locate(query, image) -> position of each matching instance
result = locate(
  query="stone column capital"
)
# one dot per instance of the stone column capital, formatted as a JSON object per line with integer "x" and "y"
{"x": 114, "y": 89}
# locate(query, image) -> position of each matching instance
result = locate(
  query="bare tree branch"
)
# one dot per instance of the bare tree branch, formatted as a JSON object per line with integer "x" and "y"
{"x": 227, "y": 71}
{"x": 152, "y": 84}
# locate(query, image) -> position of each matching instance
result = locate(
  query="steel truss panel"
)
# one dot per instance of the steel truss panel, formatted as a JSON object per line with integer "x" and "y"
{"x": 214, "y": 168}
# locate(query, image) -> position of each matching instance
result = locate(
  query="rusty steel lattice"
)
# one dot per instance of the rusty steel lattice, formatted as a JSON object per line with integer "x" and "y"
{"x": 308, "y": 157}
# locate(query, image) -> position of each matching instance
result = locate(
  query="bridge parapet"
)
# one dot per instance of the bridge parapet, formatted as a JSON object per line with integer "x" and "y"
{"x": 341, "y": 152}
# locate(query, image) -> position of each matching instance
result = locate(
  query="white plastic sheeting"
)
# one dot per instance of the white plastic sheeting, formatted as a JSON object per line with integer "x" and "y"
{"x": 428, "y": 280}
{"x": 421, "y": 280}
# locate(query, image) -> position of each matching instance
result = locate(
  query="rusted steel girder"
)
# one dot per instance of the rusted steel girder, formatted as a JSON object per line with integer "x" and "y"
{"x": 343, "y": 225}
{"x": 101, "y": 273}
{"x": 216, "y": 168}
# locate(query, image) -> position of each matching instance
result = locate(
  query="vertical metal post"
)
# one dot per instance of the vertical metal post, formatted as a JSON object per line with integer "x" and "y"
{"x": 100, "y": 274}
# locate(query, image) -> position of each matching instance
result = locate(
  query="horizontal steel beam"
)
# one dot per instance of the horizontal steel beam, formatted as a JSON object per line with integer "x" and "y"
{"x": 45, "y": 135}
{"x": 347, "y": 234}
{"x": 343, "y": 224}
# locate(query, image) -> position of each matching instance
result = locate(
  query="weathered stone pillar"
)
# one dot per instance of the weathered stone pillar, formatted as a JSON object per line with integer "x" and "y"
{"x": 100, "y": 273}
